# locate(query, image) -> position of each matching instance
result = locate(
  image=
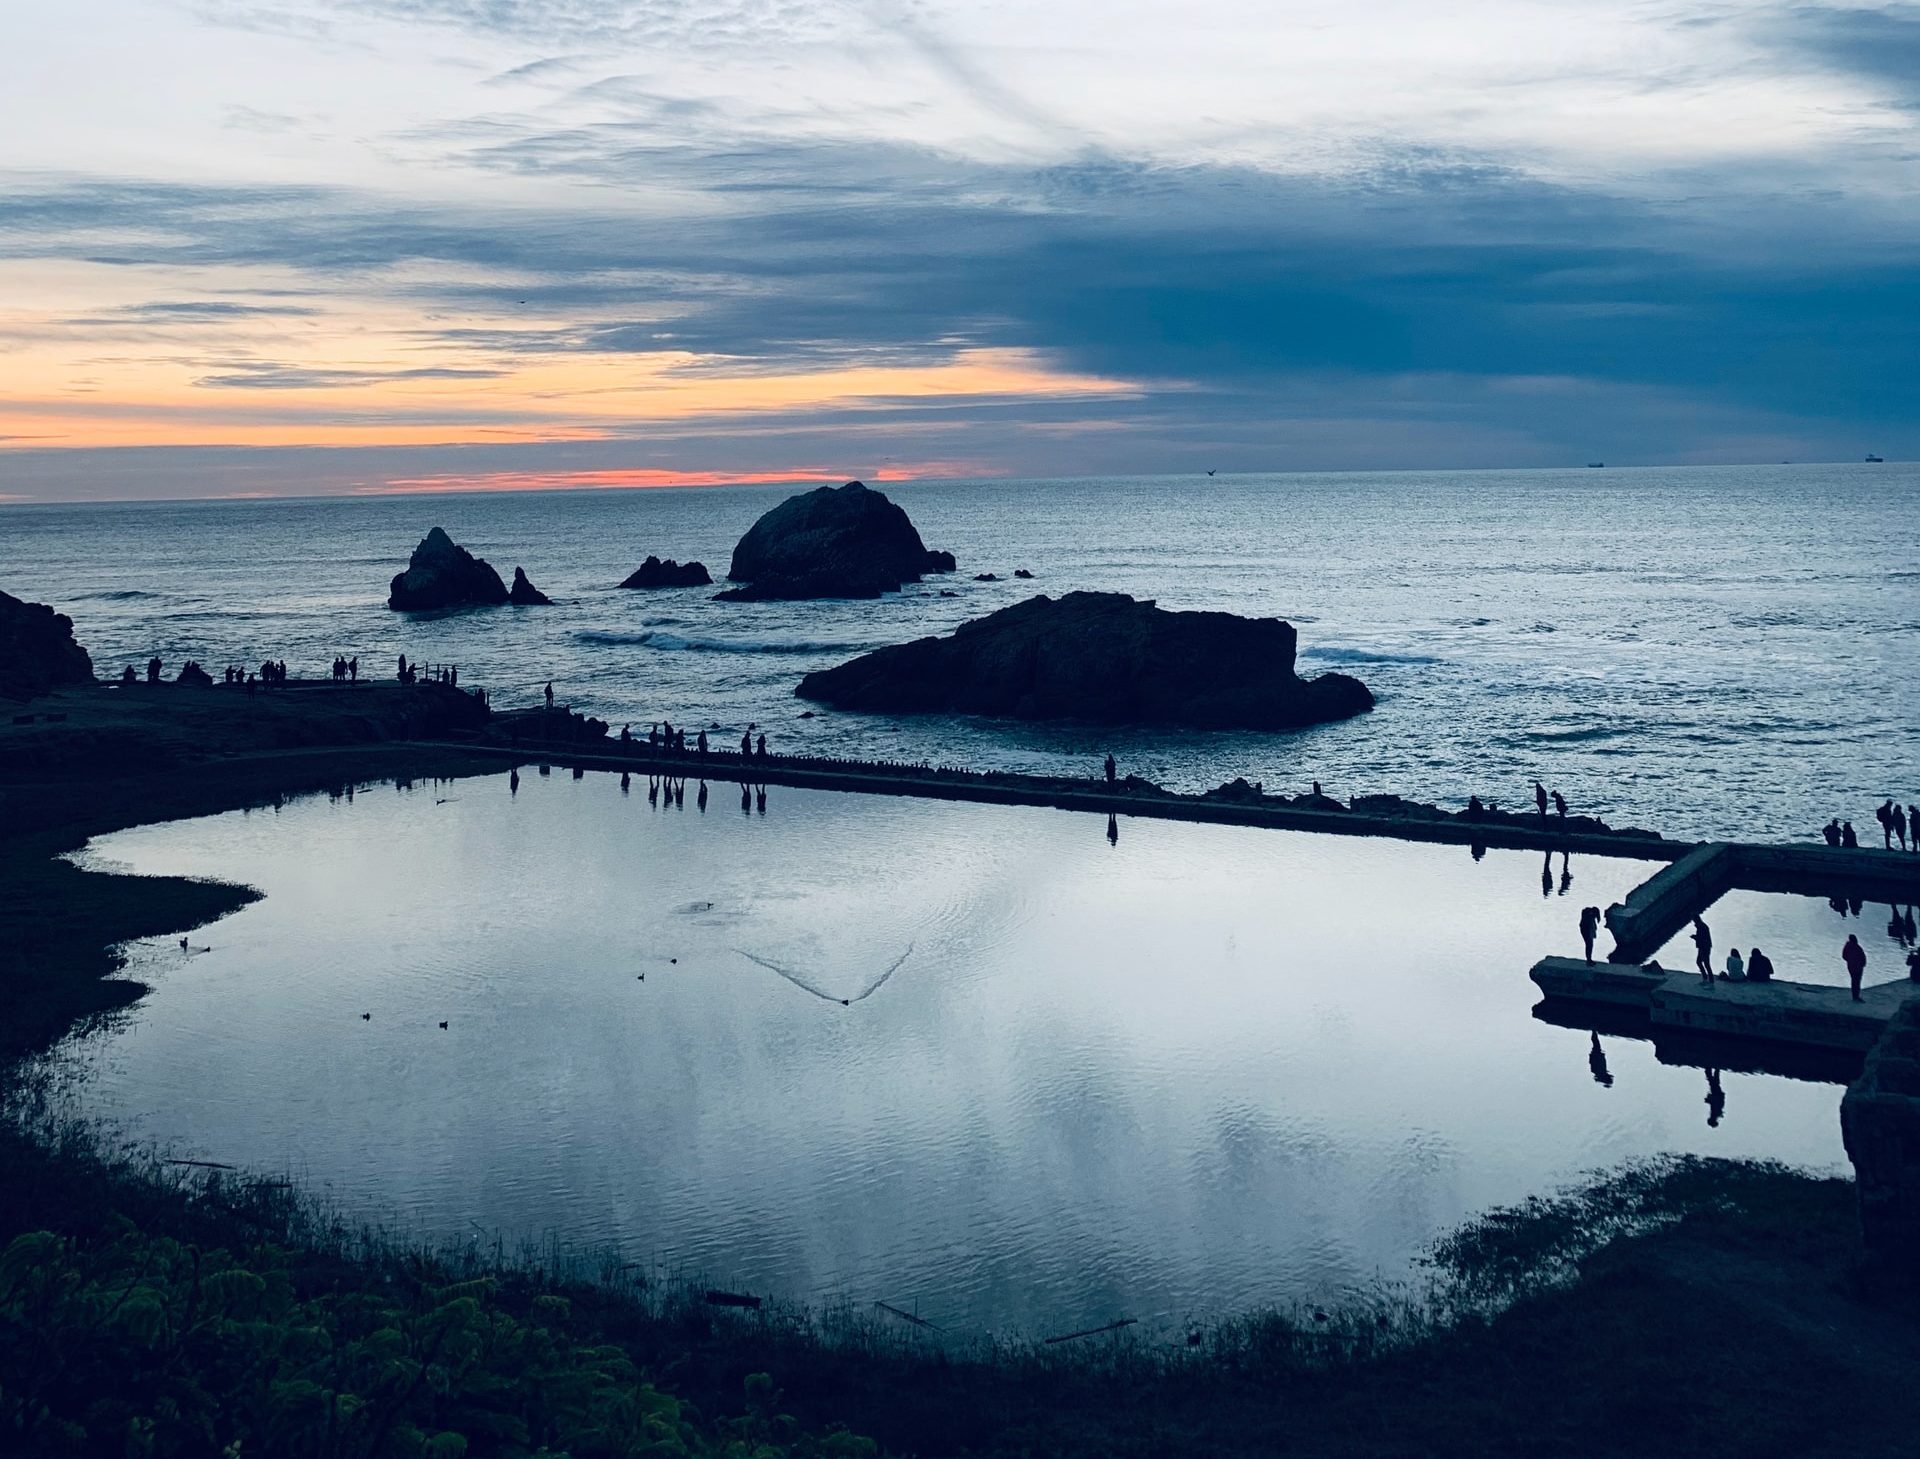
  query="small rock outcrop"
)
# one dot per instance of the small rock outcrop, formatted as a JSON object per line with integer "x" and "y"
{"x": 653, "y": 573}
{"x": 1098, "y": 656}
{"x": 192, "y": 673}
{"x": 37, "y": 651}
{"x": 443, "y": 574}
{"x": 525, "y": 594}
{"x": 834, "y": 542}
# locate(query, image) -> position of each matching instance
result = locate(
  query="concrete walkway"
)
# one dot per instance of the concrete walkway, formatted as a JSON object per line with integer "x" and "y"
{"x": 1808, "y": 1014}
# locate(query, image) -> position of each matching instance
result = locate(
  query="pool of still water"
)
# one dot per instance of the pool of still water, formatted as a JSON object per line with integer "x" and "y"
{"x": 983, "y": 1062}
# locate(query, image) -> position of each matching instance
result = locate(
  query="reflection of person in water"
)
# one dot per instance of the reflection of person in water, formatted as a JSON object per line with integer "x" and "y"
{"x": 1546, "y": 876}
{"x": 1566, "y": 873}
{"x": 701, "y": 799}
{"x": 746, "y": 799}
{"x": 1597, "y": 1062}
{"x": 1113, "y": 830}
{"x": 1716, "y": 1099}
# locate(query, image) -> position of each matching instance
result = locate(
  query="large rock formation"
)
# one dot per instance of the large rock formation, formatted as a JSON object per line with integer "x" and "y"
{"x": 1099, "y": 656}
{"x": 37, "y": 651}
{"x": 443, "y": 574}
{"x": 834, "y": 542}
{"x": 653, "y": 573}
{"x": 524, "y": 593}
{"x": 1880, "y": 1125}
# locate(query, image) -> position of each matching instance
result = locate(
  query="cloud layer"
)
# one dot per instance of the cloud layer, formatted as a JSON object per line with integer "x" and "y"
{"x": 756, "y": 237}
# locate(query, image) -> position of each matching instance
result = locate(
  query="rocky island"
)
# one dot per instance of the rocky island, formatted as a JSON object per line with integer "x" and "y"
{"x": 833, "y": 542}
{"x": 1105, "y": 657}
{"x": 653, "y": 573}
{"x": 443, "y": 574}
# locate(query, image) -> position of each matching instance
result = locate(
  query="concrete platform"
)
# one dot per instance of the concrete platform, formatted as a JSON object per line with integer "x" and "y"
{"x": 1804, "y": 1014}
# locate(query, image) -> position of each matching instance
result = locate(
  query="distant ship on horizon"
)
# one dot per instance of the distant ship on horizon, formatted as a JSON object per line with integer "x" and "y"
{"x": 1874, "y": 458}
{"x": 1594, "y": 464}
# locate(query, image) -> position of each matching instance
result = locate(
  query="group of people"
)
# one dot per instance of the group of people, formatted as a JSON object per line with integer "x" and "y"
{"x": 1899, "y": 826}
{"x": 1541, "y": 795}
{"x": 1756, "y": 967}
{"x": 409, "y": 673}
{"x": 346, "y": 670}
{"x": 664, "y": 739}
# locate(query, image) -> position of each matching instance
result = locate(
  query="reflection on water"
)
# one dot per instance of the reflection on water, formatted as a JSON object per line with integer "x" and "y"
{"x": 1802, "y": 935}
{"x": 1007, "y": 1067}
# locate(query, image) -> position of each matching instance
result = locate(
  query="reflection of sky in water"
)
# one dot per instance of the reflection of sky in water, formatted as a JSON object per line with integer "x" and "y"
{"x": 1802, "y": 936}
{"x": 1201, "y": 1069}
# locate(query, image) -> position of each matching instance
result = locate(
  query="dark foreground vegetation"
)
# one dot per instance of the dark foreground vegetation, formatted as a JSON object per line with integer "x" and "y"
{"x": 1689, "y": 1307}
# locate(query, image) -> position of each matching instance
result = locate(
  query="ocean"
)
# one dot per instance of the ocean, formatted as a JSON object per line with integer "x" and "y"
{"x": 1707, "y": 651}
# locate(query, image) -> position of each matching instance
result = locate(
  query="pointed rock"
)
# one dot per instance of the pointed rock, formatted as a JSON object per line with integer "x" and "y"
{"x": 525, "y": 593}
{"x": 443, "y": 574}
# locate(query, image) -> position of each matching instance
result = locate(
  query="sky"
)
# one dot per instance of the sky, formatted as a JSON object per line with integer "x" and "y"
{"x": 260, "y": 247}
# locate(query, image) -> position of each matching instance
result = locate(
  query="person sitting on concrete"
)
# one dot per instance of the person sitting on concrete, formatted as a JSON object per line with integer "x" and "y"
{"x": 1559, "y": 805}
{"x": 1759, "y": 967}
{"x": 1847, "y": 837}
{"x": 1589, "y": 928}
{"x": 1703, "y": 949}
{"x": 1855, "y": 957}
{"x": 1736, "y": 970}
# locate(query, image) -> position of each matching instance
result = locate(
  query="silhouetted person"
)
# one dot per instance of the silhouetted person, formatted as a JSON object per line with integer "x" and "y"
{"x": 1589, "y": 928}
{"x": 761, "y": 749}
{"x": 701, "y": 799}
{"x": 153, "y": 670}
{"x": 1559, "y": 805}
{"x": 760, "y": 799}
{"x": 746, "y": 744}
{"x": 1913, "y": 827}
{"x": 353, "y": 668}
{"x": 1759, "y": 967}
{"x": 1597, "y": 1061}
{"x": 1855, "y": 957}
{"x": 401, "y": 672}
{"x": 1566, "y": 874}
{"x": 1736, "y": 971}
{"x": 1913, "y": 966}
{"x": 1899, "y": 818}
{"x": 1847, "y": 836}
{"x": 549, "y": 694}
{"x": 626, "y": 734}
{"x": 701, "y": 744}
{"x": 129, "y": 677}
{"x": 1703, "y": 949}
{"x": 1112, "y": 770}
{"x": 746, "y": 799}
{"x": 1716, "y": 1099}
{"x": 626, "y": 783}
{"x": 1113, "y": 830}
{"x": 1475, "y": 810}
{"x": 1540, "y": 798}
{"x": 1884, "y": 815}
{"x": 1830, "y": 832}
{"x": 1546, "y": 876}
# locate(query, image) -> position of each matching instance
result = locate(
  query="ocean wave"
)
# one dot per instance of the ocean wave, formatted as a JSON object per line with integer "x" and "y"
{"x": 1326, "y": 653}
{"x": 676, "y": 643}
{"x": 1567, "y": 737}
{"x": 119, "y": 595}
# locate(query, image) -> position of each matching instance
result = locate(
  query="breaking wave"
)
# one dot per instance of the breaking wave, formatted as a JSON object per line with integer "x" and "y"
{"x": 677, "y": 643}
